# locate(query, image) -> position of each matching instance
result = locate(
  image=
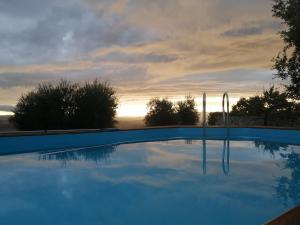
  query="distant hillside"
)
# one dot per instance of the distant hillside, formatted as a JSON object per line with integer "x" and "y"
{"x": 130, "y": 122}
{"x": 5, "y": 125}
{"x": 123, "y": 123}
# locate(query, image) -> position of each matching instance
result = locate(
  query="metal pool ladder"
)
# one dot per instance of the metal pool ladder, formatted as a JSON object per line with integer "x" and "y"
{"x": 225, "y": 114}
{"x": 204, "y": 110}
{"x": 226, "y": 145}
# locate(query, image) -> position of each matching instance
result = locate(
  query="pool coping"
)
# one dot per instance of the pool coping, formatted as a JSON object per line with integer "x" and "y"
{"x": 53, "y": 140}
{"x": 82, "y": 131}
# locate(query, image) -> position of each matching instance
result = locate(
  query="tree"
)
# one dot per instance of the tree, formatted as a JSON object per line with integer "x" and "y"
{"x": 66, "y": 106}
{"x": 164, "y": 112}
{"x": 186, "y": 111}
{"x": 275, "y": 103}
{"x": 287, "y": 62}
{"x": 48, "y": 107}
{"x": 96, "y": 105}
{"x": 252, "y": 106}
{"x": 160, "y": 113}
{"x": 213, "y": 118}
{"x": 270, "y": 103}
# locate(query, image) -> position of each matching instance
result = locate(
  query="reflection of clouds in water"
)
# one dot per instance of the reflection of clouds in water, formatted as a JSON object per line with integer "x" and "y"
{"x": 160, "y": 157}
{"x": 66, "y": 191}
{"x": 145, "y": 179}
{"x": 163, "y": 164}
{"x": 67, "y": 194}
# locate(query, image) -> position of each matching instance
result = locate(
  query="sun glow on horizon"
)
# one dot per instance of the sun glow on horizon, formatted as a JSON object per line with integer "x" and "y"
{"x": 139, "y": 108}
{"x": 6, "y": 113}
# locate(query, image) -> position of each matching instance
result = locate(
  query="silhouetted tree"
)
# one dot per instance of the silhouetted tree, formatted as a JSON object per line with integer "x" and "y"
{"x": 48, "y": 107}
{"x": 186, "y": 111}
{"x": 160, "y": 113}
{"x": 96, "y": 105}
{"x": 253, "y": 106}
{"x": 213, "y": 118}
{"x": 275, "y": 103}
{"x": 270, "y": 103}
{"x": 287, "y": 62}
{"x": 164, "y": 112}
{"x": 65, "y": 106}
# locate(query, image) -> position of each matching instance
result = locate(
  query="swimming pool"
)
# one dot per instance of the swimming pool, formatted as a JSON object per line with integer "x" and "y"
{"x": 167, "y": 176}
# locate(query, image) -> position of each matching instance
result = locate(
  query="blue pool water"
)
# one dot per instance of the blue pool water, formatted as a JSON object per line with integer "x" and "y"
{"x": 174, "y": 182}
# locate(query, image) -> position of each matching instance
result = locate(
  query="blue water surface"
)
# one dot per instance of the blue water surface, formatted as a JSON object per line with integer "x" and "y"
{"x": 182, "y": 182}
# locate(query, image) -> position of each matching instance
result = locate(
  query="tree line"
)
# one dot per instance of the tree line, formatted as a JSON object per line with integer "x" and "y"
{"x": 273, "y": 106}
{"x": 91, "y": 105}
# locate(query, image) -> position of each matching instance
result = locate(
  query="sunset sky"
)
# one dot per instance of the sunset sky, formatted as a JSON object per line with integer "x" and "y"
{"x": 145, "y": 48}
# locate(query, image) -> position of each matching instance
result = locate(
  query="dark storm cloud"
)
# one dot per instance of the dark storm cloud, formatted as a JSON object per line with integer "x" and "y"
{"x": 243, "y": 32}
{"x": 249, "y": 29}
{"x": 131, "y": 75}
{"x": 25, "y": 8}
{"x": 9, "y": 80}
{"x": 57, "y": 30}
{"x": 137, "y": 58}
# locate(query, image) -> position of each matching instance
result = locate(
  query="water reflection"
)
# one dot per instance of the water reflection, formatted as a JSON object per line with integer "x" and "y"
{"x": 204, "y": 156}
{"x": 161, "y": 182}
{"x": 225, "y": 156}
{"x": 97, "y": 154}
{"x": 288, "y": 187}
{"x": 103, "y": 154}
{"x": 271, "y": 147}
{"x": 284, "y": 186}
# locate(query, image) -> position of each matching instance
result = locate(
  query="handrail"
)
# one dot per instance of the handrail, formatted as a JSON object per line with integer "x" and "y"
{"x": 225, "y": 115}
{"x": 204, "y": 110}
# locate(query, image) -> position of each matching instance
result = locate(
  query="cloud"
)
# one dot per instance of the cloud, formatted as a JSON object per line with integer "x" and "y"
{"x": 137, "y": 58}
{"x": 6, "y": 108}
{"x": 143, "y": 47}
{"x": 248, "y": 29}
{"x": 64, "y": 31}
{"x": 243, "y": 32}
